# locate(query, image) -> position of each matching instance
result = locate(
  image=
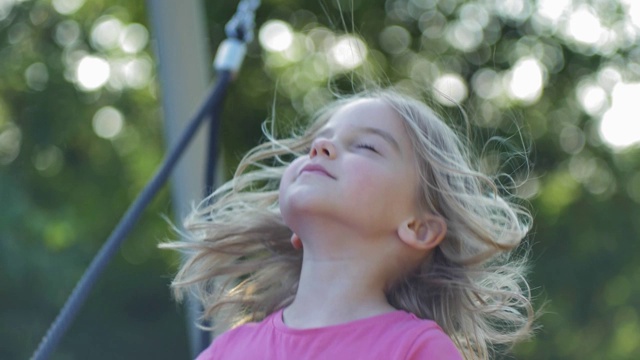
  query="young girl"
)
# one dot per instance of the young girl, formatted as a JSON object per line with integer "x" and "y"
{"x": 377, "y": 241}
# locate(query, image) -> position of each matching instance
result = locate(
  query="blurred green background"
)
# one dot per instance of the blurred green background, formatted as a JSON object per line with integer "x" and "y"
{"x": 81, "y": 133}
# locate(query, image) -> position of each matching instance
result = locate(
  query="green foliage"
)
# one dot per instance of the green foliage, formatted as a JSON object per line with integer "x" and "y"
{"x": 63, "y": 189}
{"x": 73, "y": 154}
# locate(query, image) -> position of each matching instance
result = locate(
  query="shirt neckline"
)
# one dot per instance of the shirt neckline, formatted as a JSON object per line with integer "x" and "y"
{"x": 278, "y": 322}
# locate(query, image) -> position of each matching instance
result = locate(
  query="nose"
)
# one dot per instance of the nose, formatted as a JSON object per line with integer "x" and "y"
{"x": 323, "y": 147}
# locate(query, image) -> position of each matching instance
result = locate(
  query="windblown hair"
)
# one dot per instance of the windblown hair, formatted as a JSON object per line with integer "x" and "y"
{"x": 241, "y": 265}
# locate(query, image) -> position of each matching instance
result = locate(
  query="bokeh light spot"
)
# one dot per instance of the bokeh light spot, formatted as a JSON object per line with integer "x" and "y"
{"x": 465, "y": 36}
{"x": 633, "y": 11}
{"x": 584, "y": 26}
{"x": 450, "y": 89}
{"x": 593, "y": 98}
{"x": 348, "y": 52}
{"x": 394, "y": 39}
{"x": 553, "y": 10}
{"x": 518, "y": 10}
{"x": 620, "y": 126}
{"x": 92, "y": 72}
{"x": 582, "y": 167}
{"x": 10, "y": 141}
{"x": 105, "y": 33}
{"x": 137, "y": 72}
{"x": 36, "y": 76}
{"x": 275, "y": 35}
{"x": 300, "y": 47}
{"x": 108, "y": 122}
{"x": 529, "y": 189}
{"x": 487, "y": 84}
{"x": 474, "y": 12}
{"x": 49, "y": 161}
{"x": 66, "y": 33}
{"x": 572, "y": 139}
{"x": 67, "y": 7}
{"x": 525, "y": 80}
{"x": 5, "y": 8}
{"x": 133, "y": 38}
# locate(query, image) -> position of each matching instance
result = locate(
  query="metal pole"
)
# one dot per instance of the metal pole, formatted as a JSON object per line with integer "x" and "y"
{"x": 184, "y": 72}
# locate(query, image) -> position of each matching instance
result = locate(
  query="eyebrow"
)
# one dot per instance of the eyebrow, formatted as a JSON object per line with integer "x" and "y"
{"x": 369, "y": 130}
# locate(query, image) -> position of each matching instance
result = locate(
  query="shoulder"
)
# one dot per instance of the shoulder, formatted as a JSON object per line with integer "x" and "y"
{"x": 241, "y": 337}
{"x": 405, "y": 336}
{"x": 402, "y": 335}
{"x": 428, "y": 340}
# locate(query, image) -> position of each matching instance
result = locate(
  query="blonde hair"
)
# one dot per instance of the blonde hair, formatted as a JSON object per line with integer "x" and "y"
{"x": 241, "y": 265}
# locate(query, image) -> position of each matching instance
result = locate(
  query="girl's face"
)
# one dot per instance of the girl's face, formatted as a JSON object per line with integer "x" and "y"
{"x": 360, "y": 173}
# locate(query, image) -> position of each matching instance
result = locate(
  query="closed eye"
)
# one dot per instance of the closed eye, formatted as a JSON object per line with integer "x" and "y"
{"x": 367, "y": 147}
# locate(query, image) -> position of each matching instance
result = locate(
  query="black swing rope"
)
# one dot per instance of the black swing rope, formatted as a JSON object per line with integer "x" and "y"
{"x": 81, "y": 291}
{"x": 228, "y": 61}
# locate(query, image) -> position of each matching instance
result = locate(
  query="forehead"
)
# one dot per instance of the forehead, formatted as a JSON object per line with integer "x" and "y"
{"x": 368, "y": 113}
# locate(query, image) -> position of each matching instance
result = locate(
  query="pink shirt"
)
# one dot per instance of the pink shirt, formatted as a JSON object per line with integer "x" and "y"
{"x": 394, "y": 335}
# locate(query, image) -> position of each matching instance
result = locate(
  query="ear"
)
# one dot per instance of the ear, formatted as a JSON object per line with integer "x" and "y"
{"x": 296, "y": 242}
{"x": 423, "y": 233}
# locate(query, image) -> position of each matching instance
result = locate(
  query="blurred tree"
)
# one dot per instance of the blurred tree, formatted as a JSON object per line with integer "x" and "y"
{"x": 79, "y": 137}
{"x": 78, "y": 98}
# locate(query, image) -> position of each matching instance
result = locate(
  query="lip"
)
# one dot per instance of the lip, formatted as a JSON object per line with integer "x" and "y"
{"x": 317, "y": 169}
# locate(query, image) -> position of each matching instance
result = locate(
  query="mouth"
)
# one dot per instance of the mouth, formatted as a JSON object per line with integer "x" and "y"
{"x": 316, "y": 169}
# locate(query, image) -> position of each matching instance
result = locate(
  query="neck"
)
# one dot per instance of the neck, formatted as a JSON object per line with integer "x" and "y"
{"x": 337, "y": 290}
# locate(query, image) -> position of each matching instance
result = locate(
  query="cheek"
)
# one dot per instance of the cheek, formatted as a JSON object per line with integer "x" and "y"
{"x": 381, "y": 187}
{"x": 368, "y": 182}
{"x": 289, "y": 175}
{"x": 367, "y": 175}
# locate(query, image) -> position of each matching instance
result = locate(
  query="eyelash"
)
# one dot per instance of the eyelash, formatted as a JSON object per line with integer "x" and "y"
{"x": 367, "y": 146}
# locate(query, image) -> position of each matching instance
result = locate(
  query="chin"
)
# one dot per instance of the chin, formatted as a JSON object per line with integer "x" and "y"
{"x": 304, "y": 206}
